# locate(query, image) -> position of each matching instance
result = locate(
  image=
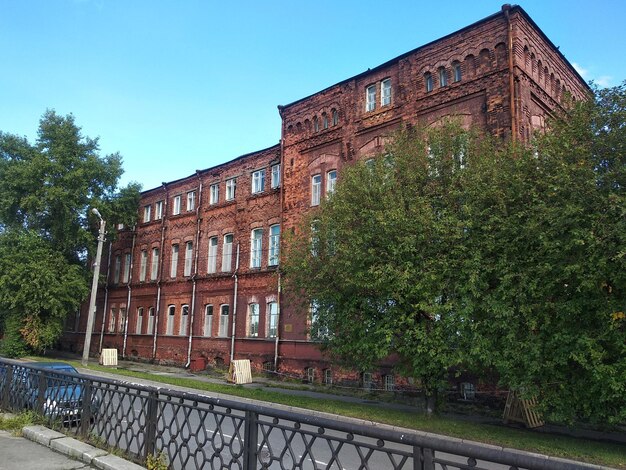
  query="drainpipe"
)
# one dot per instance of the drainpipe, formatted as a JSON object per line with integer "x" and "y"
{"x": 232, "y": 337}
{"x": 195, "y": 271}
{"x": 160, "y": 273}
{"x": 106, "y": 297}
{"x": 277, "y": 325}
{"x": 282, "y": 229}
{"x": 130, "y": 280}
{"x": 506, "y": 8}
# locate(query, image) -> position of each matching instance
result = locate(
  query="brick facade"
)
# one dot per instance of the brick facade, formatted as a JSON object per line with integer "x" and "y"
{"x": 501, "y": 74}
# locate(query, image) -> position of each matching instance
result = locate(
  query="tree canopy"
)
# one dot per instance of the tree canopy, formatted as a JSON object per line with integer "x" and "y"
{"x": 46, "y": 231}
{"x": 455, "y": 251}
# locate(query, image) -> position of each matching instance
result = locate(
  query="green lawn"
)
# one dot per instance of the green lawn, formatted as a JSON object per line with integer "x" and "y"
{"x": 601, "y": 453}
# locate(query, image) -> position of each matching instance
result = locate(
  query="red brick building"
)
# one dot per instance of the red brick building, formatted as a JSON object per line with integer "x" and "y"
{"x": 196, "y": 280}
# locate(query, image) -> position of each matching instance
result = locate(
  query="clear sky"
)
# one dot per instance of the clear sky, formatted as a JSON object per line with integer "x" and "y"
{"x": 176, "y": 86}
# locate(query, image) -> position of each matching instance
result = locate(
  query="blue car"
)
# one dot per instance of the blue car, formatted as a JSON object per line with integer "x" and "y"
{"x": 63, "y": 395}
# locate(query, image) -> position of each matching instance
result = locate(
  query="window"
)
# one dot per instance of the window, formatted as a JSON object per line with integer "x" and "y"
{"x": 316, "y": 124}
{"x": 184, "y": 320}
{"x": 208, "y": 320}
{"x": 315, "y": 237}
{"x": 370, "y": 98}
{"x": 456, "y": 70}
{"x": 328, "y": 377}
{"x": 367, "y": 381}
{"x": 154, "y": 267}
{"x": 176, "y": 206}
{"x": 174, "y": 261}
{"x": 324, "y": 121}
{"x": 191, "y": 200}
{"x": 117, "y": 269}
{"x": 227, "y": 253}
{"x": 122, "y": 323}
{"x": 171, "y": 314}
{"x": 274, "y": 250}
{"x": 443, "y": 77}
{"x": 231, "y": 186}
{"x": 428, "y": 81}
{"x": 385, "y": 92}
{"x": 212, "y": 266}
{"x": 316, "y": 189}
{"x": 150, "y": 326}
{"x": 390, "y": 383}
{"x": 188, "y": 259}
{"x": 256, "y": 245}
{"x": 258, "y": 181}
{"x": 112, "y": 318}
{"x": 126, "y": 268}
{"x": 214, "y": 193}
{"x": 331, "y": 179}
{"x": 272, "y": 320}
{"x": 138, "y": 323}
{"x": 335, "y": 117}
{"x": 253, "y": 320}
{"x": 275, "y": 176}
{"x": 158, "y": 210}
{"x": 147, "y": 211}
{"x": 223, "y": 331}
{"x": 310, "y": 374}
{"x": 143, "y": 265}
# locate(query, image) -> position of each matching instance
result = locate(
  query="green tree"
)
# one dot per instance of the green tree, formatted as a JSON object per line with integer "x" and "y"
{"x": 46, "y": 191}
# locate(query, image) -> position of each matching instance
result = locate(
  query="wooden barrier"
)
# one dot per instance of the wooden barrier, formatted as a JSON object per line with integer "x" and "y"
{"x": 108, "y": 357}
{"x": 522, "y": 411}
{"x": 239, "y": 372}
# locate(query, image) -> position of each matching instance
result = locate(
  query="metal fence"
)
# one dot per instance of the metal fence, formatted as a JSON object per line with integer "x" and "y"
{"x": 200, "y": 432}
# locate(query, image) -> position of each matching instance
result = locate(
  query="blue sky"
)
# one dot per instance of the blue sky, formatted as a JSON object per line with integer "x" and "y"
{"x": 176, "y": 86}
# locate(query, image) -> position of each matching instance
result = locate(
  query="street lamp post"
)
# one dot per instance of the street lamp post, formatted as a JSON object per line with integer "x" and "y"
{"x": 94, "y": 290}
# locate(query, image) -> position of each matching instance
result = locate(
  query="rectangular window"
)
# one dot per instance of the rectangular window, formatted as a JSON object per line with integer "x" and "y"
{"x": 214, "y": 193}
{"x": 117, "y": 269}
{"x": 208, "y": 320}
{"x": 174, "y": 261}
{"x": 212, "y": 267}
{"x": 370, "y": 98}
{"x": 191, "y": 201}
{"x": 231, "y": 186}
{"x": 122, "y": 323}
{"x": 150, "y": 326}
{"x": 143, "y": 265}
{"x": 253, "y": 320}
{"x": 188, "y": 259}
{"x": 316, "y": 189}
{"x": 227, "y": 253}
{"x": 390, "y": 383}
{"x": 223, "y": 331}
{"x": 275, "y": 176}
{"x": 274, "y": 250}
{"x": 256, "y": 246}
{"x": 154, "y": 266}
{"x": 176, "y": 205}
{"x": 158, "y": 210}
{"x": 139, "y": 322}
{"x": 184, "y": 320}
{"x": 112, "y": 320}
{"x": 171, "y": 316}
{"x": 258, "y": 181}
{"x": 272, "y": 321}
{"x": 147, "y": 211}
{"x": 126, "y": 268}
{"x": 385, "y": 92}
{"x": 331, "y": 179}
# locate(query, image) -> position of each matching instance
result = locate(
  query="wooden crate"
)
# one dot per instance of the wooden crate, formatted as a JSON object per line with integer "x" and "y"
{"x": 522, "y": 411}
{"x": 239, "y": 372}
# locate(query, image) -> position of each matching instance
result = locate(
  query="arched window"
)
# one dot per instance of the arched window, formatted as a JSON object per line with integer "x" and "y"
{"x": 316, "y": 124}
{"x": 335, "y": 117}
{"x": 428, "y": 81}
{"x": 456, "y": 71}
{"x": 324, "y": 121}
{"x": 443, "y": 77}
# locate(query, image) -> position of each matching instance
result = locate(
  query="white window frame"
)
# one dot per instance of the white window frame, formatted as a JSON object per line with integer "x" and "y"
{"x": 126, "y": 274}
{"x": 147, "y": 212}
{"x": 385, "y": 92}
{"x": 227, "y": 252}
{"x": 274, "y": 245}
{"x": 154, "y": 264}
{"x": 231, "y": 188}
{"x": 122, "y": 320}
{"x": 191, "y": 201}
{"x": 316, "y": 189}
{"x": 184, "y": 320}
{"x": 143, "y": 265}
{"x": 370, "y": 98}
{"x": 272, "y": 319}
{"x": 223, "y": 326}
{"x": 176, "y": 205}
{"x": 112, "y": 319}
{"x": 139, "y": 321}
{"x": 256, "y": 247}
{"x": 188, "y": 259}
{"x": 214, "y": 193}
{"x": 275, "y": 179}
{"x": 328, "y": 376}
{"x": 207, "y": 327}
{"x": 212, "y": 256}
{"x": 389, "y": 383}
{"x": 331, "y": 181}
{"x": 174, "y": 260}
{"x": 254, "y": 316}
{"x": 158, "y": 210}
{"x": 171, "y": 317}
{"x": 150, "y": 325}
{"x": 258, "y": 181}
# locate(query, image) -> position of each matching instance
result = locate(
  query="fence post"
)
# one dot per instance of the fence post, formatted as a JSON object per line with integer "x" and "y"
{"x": 251, "y": 435}
{"x": 151, "y": 423}
{"x": 6, "y": 389}
{"x": 42, "y": 388}
{"x": 85, "y": 412}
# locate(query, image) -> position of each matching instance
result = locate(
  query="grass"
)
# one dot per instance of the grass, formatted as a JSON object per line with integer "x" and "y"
{"x": 596, "y": 452}
{"x": 15, "y": 423}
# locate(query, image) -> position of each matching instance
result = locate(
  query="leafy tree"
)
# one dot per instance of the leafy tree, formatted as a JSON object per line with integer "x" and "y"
{"x": 46, "y": 191}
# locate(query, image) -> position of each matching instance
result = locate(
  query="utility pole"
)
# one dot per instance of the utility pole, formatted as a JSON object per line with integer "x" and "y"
{"x": 94, "y": 290}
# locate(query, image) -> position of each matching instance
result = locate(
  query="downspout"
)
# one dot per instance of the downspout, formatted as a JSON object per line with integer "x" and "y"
{"x": 282, "y": 182}
{"x": 195, "y": 271}
{"x": 232, "y": 337}
{"x": 277, "y": 326}
{"x": 106, "y": 297}
{"x": 160, "y": 273}
{"x": 130, "y": 281}
{"x": 506, "y": 8}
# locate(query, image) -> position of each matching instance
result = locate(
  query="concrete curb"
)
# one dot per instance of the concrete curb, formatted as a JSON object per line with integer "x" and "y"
{"x": 77, "y": 449}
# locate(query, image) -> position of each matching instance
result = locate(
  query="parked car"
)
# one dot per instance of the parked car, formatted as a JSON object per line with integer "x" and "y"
{"x": 63, "y": 395}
